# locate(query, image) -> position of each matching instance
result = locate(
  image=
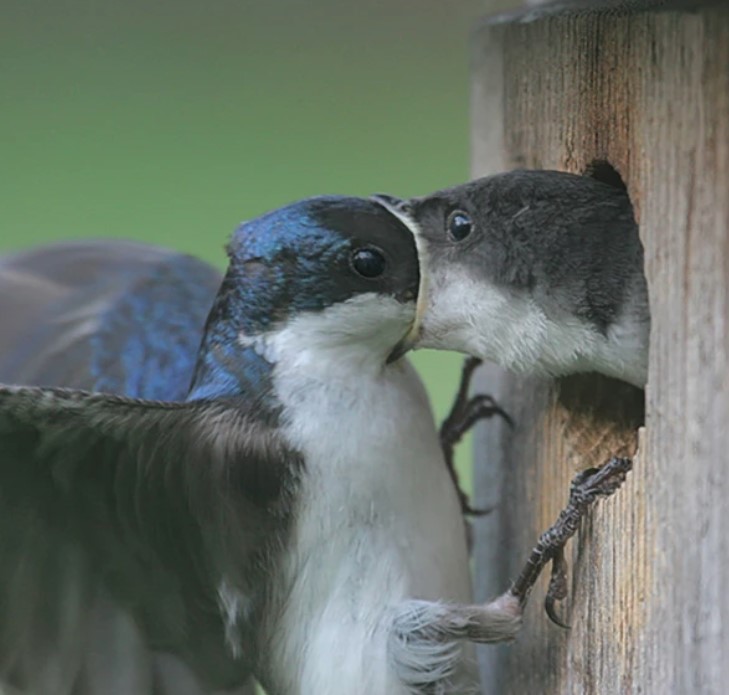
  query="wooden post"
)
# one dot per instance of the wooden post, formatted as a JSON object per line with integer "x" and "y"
{"x": 643, "y": 87}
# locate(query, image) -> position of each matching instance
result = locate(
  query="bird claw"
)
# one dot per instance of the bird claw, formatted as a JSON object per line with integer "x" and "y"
{"x": 592, "y": 483}
{"x": 585, "y": 489}
{"x": 557, "y": 590}
{"x": 465, "y": 413}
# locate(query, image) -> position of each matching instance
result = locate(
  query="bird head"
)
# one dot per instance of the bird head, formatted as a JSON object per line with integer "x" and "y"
{"x": 533, "y": 270}
{"x": 336, "y": 276}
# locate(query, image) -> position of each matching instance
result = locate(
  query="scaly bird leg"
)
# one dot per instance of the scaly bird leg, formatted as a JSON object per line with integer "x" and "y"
{"x": 586, "y": 487}
{"x": 465, "y": 413}
{"x": 425, "y": 634}
{"x": 502, "y": 616}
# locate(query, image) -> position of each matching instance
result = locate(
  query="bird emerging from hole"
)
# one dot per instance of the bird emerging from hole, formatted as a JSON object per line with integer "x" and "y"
{"x": 540, "y": 272}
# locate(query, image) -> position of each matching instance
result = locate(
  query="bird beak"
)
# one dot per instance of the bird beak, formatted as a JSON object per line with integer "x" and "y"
{"x": 402, "y": 210}
{"x": 403, "y": 347}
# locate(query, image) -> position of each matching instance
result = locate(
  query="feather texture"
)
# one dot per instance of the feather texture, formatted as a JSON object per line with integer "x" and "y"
{"x": 67, "y": 310}
{"x": 105, "y": 499}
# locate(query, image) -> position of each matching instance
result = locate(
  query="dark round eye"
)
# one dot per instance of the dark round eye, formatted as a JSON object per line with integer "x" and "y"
{"x": 459, "y": 225}
{"x": 368, "y": 262}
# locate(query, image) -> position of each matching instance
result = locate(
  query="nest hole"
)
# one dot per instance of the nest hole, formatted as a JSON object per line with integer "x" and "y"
{"x": 601, "y": 170}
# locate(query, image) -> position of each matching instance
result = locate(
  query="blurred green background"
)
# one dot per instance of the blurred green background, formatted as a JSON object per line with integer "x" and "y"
{"x": 172, "y": 121}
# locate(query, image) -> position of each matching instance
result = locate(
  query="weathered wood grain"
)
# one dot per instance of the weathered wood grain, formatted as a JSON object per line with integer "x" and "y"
{"x": 649, "y": 601}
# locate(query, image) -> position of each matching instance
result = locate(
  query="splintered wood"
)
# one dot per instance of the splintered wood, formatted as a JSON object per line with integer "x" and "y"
{"x": 647, "y": 92}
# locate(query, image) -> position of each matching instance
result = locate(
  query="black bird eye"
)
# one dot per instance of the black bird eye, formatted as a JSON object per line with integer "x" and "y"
{"x": 459, "y": 225}
{"x": 368, "y": 262}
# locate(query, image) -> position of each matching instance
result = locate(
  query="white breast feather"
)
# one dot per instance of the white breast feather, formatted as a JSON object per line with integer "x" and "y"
{"x": 510, "y": 329}
{"x": 378, "y": 520}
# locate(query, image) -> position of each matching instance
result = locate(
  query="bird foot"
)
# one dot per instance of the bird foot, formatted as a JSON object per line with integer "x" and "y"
{"x": 465, "y": 413}
{"x": 587, "y": 486}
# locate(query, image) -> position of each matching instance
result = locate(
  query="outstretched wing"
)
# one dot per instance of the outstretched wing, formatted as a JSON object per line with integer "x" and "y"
{"x": 112, "y": 316}
{"x": 153, "y": 506}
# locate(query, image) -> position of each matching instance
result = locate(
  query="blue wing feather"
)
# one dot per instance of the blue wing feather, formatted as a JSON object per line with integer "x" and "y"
{"x": 119, "y": 317}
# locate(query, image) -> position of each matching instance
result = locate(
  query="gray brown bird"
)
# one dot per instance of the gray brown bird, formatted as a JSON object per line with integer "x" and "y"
{"x": 538, "y": 271}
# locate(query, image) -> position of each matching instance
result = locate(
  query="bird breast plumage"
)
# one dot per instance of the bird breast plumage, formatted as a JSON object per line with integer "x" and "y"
{"x": 386, "y": 526}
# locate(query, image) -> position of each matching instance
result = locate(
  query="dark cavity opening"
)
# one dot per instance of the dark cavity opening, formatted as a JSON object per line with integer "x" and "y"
{"x": 601, "y": 170}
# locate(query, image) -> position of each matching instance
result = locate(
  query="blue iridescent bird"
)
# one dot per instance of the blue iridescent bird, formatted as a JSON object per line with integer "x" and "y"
{"x": 238, "y": 479}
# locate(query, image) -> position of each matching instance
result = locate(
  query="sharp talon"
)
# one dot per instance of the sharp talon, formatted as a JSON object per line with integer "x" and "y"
{"x": 557, "y": 590}
{"x": 483, "y": 406}
{"x": 549, "y": 609}
{"x": 506, "y": 418}
{"x": 558, "y": 577}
